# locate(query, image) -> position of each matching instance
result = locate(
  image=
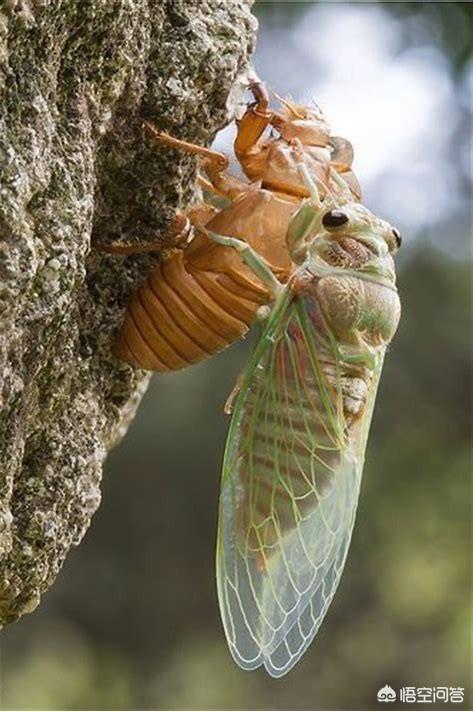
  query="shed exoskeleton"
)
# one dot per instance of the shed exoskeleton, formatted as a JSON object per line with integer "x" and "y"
{"x": 203, "y": 297}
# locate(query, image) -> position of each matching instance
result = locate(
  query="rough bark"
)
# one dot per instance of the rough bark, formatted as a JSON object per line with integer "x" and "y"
{"x": 76, "y": 79}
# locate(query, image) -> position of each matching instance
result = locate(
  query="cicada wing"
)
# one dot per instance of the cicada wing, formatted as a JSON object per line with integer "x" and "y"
{"x": 342, "y": 154}
{"x": 290, "y": 484}
{"x": 342, "y": 159}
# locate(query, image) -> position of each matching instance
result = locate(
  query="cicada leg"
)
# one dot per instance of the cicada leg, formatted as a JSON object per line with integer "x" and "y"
{"x": 186, "y": 146}
{"x": 305, "y": 222}
{"x": 215, "y": 164}
{"x": 358, "y": 354}
{"x": 260, "y": 93}
{"x": 253, "y": 123}
{"x": 222, "y": 183}
{"x": 178, "y": 234}
{"x": 259, "y": 265}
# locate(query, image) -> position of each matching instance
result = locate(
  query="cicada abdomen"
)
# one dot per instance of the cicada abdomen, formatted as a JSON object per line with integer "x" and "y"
{"x": 201, "y": 299}
{"x": 182, "y": 315}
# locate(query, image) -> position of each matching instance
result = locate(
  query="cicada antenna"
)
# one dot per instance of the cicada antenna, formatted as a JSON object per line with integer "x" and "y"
{"x": 288, "y": 104}
{"x": 316, "y": 106}
{"x": 320, "y": 182}
{"x": 341, "y": 184}
{"x": 328, "y": 192}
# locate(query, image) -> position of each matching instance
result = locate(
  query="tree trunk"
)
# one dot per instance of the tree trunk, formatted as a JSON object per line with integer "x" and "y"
{"x": 76, "y": 80}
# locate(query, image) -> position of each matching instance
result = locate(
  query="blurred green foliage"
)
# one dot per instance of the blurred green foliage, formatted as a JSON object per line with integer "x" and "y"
{"x": 132, "y": 622}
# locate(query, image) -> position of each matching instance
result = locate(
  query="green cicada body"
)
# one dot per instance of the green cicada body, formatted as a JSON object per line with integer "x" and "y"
{"x": 296, "y": 444}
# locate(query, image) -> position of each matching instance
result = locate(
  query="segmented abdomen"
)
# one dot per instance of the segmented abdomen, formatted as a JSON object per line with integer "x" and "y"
{"x": 182, "y": 314}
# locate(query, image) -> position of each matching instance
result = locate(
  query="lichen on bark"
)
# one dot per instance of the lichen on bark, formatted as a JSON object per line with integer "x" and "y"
{"x": 76, "y": 80}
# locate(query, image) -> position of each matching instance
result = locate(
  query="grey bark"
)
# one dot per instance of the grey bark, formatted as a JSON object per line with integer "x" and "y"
{"x": 76, "y": 171}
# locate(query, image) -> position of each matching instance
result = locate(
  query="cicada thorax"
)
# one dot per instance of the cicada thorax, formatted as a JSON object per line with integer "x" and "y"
{"x": 277, "y": 167}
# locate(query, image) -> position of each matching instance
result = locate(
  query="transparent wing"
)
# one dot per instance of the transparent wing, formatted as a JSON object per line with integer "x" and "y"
{"x": 342, "y": 160}
{"x": 290, "y": 484}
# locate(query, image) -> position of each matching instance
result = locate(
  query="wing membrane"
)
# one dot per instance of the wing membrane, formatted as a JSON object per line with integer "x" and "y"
{"x": 290, "y": 485}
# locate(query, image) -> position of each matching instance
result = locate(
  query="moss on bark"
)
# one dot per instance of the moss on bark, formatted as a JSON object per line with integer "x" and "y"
{"x": 76, "y": 79}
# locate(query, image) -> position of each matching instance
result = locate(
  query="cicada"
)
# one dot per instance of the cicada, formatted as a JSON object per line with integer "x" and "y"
{"x": 298, "y": 433}
{"x": 302, "y": 409}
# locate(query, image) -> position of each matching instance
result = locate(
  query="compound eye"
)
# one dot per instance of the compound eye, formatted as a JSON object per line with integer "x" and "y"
{"x": 397, "y": 237}
{"x": 334, "y": 218}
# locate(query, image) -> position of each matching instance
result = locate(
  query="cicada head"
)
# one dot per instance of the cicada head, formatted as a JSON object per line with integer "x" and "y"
{"x": 351, "y": 237}
{"x": 301, "y": 133}
{"x": 307, "y": 124}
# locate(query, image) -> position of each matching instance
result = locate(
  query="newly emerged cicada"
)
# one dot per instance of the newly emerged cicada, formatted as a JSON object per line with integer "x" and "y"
{"x": 297, "y": 438}
{"x": 302, "y": 410}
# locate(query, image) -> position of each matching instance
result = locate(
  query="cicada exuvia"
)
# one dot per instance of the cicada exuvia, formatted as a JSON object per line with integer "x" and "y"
{"x": 201, "y": 297}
